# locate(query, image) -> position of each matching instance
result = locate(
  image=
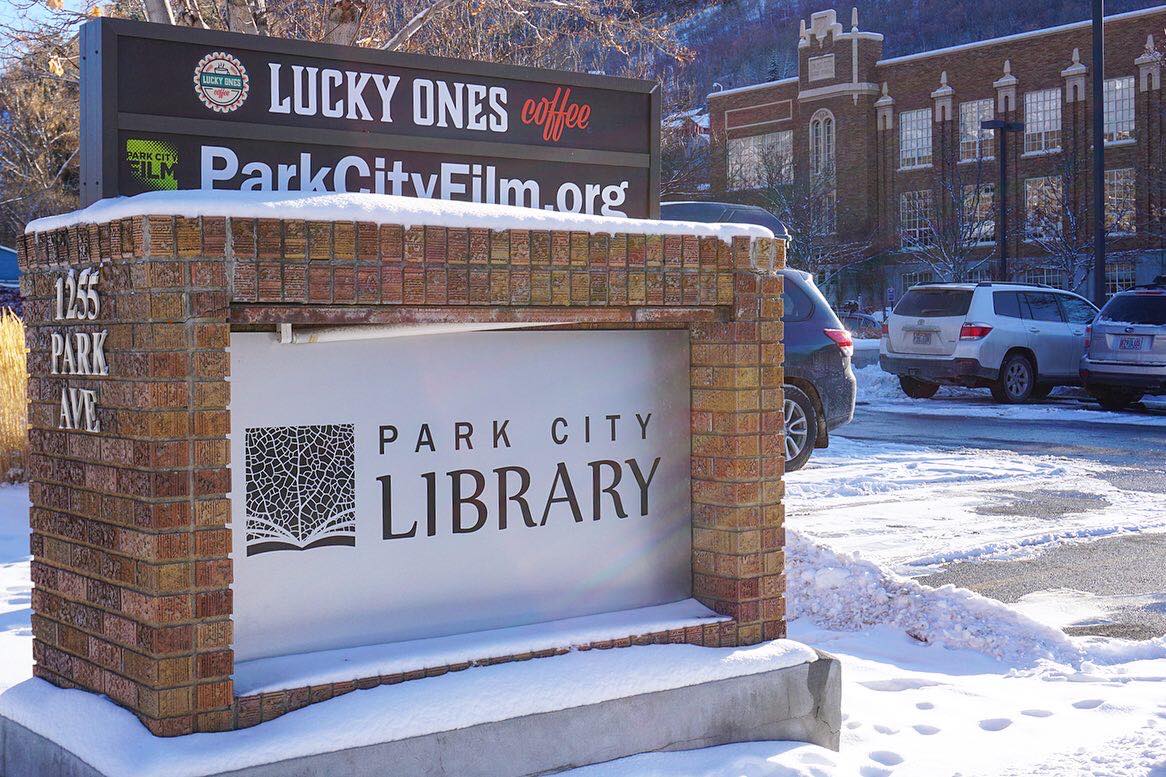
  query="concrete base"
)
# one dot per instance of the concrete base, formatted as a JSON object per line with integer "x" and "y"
{"x": 799, "y": 703}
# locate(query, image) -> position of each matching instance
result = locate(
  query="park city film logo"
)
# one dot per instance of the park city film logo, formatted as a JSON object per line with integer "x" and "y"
{"x": 300, "y": 487}
{"x": 153, "y": 163}
{"x": 221, "y": 82}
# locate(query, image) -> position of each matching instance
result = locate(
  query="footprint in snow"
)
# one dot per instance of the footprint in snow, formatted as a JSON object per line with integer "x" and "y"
{"x": 1088, "y": 704}
{"x": 874, "y": 771}
{"x": 853, "y": 724}
{"x": 1037, "y": 713}
{"x": 885, "y": 729}
{"x": 885, "y": 757}
{"x": 924, "y": 705}
{"x": 995, "y": 724}
{"x": 926, "y": 730}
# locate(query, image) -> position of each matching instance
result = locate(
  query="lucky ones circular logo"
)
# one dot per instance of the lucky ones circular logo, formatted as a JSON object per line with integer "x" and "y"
{"x": 221, "y": 82}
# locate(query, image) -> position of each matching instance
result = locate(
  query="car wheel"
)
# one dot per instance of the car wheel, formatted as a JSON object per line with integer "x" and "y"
{"x": 917, "y": 389}
{"x": 1017, "y": 380}
{"x": 801, "y": 428}
{"x": 1114, "y": 398}
{"x": 1042, "y": 390}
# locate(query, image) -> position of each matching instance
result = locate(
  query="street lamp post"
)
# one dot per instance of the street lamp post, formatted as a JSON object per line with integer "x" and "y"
{"x": 1098, "y": 153}
{"x": 1002, "y": 127}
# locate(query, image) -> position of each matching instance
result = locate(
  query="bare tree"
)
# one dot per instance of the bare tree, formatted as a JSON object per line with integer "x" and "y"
{"x": 1059, "y": 220}
{"x": 807, "y": 205}
{"x": 951, "y": 226}
{"x": 39, "y": 67}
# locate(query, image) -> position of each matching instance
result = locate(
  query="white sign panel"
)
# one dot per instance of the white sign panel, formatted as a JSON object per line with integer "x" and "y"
{"x": 396, "y": 489}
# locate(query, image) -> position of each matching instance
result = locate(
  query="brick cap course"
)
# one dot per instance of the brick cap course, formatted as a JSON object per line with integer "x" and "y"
{"x": 378, "y": 209}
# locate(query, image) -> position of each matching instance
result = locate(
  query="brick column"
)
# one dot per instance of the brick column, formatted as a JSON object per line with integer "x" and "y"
{"x": 129, "y": 521}
{"x": 738, "y": 457}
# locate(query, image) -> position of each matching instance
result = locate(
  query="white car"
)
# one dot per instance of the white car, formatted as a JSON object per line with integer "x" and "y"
{"x": 1019, "y": 340}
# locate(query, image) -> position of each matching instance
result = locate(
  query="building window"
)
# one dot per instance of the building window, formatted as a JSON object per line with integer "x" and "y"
{"x": 1042, "y": 121}
{"x": 822, "y": 143}
{"x": 761, "y": 160}
{"x": 1044, "y": 276}
{"x": 825, "y": 212}
{"x": 1119, "y": 109}
{"x": 915, "y": 278}
{"x": 915, "y": 138}
{"x": 1043, "y": 207}
{"x": 980, "y": 273}
{"x": 915, "y": 212}
{"x": 1120, "y": 276}
{"x": 975, "y": 143}
{"x": 1120, "y": 207}
{"x": 979, "y": 213}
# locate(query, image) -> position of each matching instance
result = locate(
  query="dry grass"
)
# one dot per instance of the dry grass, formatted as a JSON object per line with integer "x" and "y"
{"x": 13, "y": 397}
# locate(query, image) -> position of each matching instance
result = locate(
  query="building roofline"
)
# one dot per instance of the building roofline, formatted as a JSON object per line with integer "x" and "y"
{"x": 751, "y": 87}
{"x": 1019, "y": 36}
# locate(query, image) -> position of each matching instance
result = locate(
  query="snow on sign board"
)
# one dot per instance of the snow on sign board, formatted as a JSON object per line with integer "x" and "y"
{"x": 388, "y": 490}
{"x": 167, "y": 108}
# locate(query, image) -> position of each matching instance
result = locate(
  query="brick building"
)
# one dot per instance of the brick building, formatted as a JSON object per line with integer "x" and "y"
{"x": 884, "y": 163}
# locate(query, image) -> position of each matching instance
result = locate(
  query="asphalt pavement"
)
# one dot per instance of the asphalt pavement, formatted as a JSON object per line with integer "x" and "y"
{"x": 1128, "y": 571}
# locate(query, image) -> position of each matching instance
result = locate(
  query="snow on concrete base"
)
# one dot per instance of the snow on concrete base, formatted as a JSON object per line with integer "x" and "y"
{"x": 113, "y": 741}
{"x": 378, "y": 209}
{"x": 332, "y": 666}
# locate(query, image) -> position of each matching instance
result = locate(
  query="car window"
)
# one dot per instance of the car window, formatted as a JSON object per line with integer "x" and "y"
{"x": 934, "y": 303}
{"x": 1006, "y": 303}
{"x": 1042, "y": 306}
{"x": 1077, "y": 310}
{"x": 796, "y": 304}
{"x": 1136, "y": 309}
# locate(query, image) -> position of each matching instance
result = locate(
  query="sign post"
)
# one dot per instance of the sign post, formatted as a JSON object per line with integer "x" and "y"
{"x": 166, "y": 108}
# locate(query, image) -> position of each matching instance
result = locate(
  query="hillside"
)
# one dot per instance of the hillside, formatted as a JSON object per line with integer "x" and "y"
{"x": 748, "y": 41}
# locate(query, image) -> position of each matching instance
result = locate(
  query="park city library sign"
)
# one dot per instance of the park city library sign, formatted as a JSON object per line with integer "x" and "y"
{"x": 168, "y": 108}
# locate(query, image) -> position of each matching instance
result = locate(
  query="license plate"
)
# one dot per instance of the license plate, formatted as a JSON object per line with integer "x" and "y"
{"x": 922, "y": 338}
{"x": 1130, "y": 343}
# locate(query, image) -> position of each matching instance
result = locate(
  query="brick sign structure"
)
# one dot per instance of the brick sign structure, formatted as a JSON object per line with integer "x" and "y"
{"x": 129, "y": 324}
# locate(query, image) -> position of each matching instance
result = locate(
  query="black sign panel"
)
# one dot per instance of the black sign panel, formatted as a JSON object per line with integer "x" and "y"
{"x": 168, "y": 108}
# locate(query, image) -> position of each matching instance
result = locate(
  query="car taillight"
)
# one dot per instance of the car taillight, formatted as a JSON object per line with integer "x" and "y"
{"x": 1088, "y": 335}
{"x": 971, "y": 331}
{"x": 886, "y": 329}
{"x": 842, "y": 338}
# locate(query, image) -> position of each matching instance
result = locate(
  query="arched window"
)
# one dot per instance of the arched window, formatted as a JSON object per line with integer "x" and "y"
{"x": 822, "y": 142}
{"x": 823, "y": 196}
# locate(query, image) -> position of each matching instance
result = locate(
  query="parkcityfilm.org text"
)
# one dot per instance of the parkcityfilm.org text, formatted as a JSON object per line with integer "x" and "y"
{"x": 221, "y": 168}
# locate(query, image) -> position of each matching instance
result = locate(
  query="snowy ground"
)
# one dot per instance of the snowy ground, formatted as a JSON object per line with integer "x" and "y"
{"x": 15, "y": 587}
{"x": 937, "y": 681}
{"x": 913, "y": 507}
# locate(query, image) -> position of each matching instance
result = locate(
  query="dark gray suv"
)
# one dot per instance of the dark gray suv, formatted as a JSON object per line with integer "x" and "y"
{"x": 819, "y": 382}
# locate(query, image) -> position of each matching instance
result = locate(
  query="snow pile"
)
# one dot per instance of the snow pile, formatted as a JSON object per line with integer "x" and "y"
{"x": 379, "y": 209}
{"x": 846, "y": 592}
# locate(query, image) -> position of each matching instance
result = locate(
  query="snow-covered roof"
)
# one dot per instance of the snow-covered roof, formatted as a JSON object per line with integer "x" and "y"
{"x": 379, "y": 209}
{"x": 1019, "y": 36}
{"x": 751, "y": 87}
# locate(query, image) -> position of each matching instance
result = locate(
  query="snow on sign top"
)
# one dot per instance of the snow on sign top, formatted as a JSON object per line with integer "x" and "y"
{"x": 380, "y": 209}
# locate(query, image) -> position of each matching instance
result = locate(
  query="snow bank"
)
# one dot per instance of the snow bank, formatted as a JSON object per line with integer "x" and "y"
{"x": 379, "y": 209}
{"x": 113, "y": 741}
{"x": 845, "y": 592}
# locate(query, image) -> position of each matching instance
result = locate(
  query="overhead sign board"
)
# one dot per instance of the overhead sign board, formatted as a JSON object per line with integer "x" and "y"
{"x": 166, "y": 107}
{"x": 413, "y": 503}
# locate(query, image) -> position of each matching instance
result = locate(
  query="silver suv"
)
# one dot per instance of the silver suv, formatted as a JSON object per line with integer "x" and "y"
{"x": 1125, "y": 349}
{"x": 1019, "y": 340}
